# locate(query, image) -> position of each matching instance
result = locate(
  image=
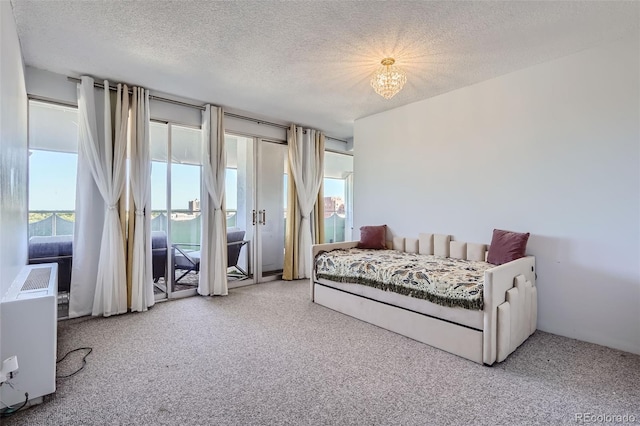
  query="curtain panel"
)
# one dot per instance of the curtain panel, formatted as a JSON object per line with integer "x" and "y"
{"x": 213, "y": 250}
{"x": 101, "y": 175}
{"x": 305, "y": 210}
{"x": 139, "y": 260}
{"x": 112, "y": 253}
{"x": 291, "y": 250}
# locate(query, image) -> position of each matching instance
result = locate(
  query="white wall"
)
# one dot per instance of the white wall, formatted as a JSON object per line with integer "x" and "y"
{"x": 13, "y": 152}
{"x": 552, "y": 150}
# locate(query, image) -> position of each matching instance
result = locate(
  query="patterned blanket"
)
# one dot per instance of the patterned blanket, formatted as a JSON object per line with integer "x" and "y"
{"x": 445, "y": 281}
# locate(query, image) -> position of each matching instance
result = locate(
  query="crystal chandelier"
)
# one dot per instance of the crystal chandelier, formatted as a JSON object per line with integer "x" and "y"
{"x": 388, "y": 79}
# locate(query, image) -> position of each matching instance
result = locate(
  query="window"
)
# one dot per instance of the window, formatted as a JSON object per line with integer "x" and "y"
{"x": 338, "y": 195}
{"x": 185, "y": 178}
{"x": 53, "y": 162}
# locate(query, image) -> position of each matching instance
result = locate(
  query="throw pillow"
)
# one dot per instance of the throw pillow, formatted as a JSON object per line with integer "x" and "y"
{"x": 373, "y": 237}
{"x": 507, "y": 246}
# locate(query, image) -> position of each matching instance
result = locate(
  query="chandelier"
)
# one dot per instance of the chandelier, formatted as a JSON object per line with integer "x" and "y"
{"x": 388, "y": 79}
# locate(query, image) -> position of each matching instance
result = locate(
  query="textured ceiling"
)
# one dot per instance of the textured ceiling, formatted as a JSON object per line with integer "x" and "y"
{"x": 308, "y": 62}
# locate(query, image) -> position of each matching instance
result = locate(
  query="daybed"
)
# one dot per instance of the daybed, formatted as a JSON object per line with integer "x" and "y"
{"x": 473, "y": 309}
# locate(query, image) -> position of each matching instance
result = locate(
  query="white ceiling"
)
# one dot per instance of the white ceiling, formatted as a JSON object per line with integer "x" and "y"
{"x": 308, "y": 62}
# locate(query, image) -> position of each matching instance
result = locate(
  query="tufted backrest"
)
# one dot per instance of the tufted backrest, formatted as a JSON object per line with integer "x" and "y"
{"x": 441, "y": 245}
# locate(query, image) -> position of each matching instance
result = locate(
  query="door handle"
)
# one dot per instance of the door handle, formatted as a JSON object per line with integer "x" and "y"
{"x": 253, "y": 217}
{"x": 264, "y": 217}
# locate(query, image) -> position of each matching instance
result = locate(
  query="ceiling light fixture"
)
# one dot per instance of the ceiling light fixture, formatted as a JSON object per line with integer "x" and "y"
{"x": 388, "y": 79}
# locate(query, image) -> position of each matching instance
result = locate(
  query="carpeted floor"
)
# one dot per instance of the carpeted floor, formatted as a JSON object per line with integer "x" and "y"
{"x": 266, "y": 355}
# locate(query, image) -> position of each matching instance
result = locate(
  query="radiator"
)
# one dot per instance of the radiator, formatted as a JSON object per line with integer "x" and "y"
{"x": 28, "y": 329}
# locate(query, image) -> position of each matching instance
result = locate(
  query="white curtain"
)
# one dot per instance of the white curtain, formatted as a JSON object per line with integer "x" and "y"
{"x": 101, "y": 162}
{"x": 213, "y": 250}
{"x": 87, "y": 234}
{"x": 140, "y": 174}
{"x": 306, "y": 160}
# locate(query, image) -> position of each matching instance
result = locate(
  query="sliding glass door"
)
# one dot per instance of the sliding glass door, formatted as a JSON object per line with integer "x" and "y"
{"x": 240, "y": 208}
{"x": 255, "y": 201}
{"x": 175, "y": 204}
{"x": 185, "y": 221}
{"x": 256, "y": 184}
{"x": 272, "y": 204}
{"x": 159, "y": 146}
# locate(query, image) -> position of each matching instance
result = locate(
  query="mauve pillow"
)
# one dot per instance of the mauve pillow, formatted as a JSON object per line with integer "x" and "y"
{"x": 507, "y": 246}
{"x": 373, "y": 237}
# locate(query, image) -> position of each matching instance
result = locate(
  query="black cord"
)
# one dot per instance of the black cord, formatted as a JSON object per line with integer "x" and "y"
{"x": 84, "y": 361}
{"x": 11, "y": 411}
{"x": 8, "y": 411}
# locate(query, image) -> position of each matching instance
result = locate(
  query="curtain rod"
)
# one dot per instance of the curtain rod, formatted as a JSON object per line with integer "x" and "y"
{"x": 201, "y": 107}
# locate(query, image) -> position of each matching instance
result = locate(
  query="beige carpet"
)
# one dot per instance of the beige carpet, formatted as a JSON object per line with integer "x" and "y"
{"x": 266, "y": 355}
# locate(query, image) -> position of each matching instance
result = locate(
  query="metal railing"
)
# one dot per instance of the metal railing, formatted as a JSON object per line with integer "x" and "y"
{"x": 47, "y": 223}
{"x": 185, "y": 224}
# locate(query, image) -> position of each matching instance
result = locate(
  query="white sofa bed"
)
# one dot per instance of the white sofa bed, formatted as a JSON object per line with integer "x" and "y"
{"x": 486, "y": 331}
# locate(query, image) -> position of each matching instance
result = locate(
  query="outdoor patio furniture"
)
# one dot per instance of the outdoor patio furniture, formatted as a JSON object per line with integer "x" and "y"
{"x": 158, "y": 254}
{"x": 54, "y": 249}
{"x": 186, "y": 260}
{"x": 59, "y": 249}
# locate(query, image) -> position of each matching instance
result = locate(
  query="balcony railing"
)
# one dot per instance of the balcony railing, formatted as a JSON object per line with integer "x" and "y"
{"x": 334, "y": 228}
{"x": 46, "y": 223}
{"x": 185, "y": 224}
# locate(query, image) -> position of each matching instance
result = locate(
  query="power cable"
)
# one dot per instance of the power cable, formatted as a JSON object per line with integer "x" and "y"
{"x": 84, "y": 361}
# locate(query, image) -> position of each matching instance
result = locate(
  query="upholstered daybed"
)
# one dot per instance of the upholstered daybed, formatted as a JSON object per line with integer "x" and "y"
{"x": 433, "y": 290}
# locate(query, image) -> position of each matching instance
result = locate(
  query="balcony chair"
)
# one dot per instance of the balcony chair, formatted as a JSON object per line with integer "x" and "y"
{"x": 189, "y": 261}
{"x": 158, "y": 254}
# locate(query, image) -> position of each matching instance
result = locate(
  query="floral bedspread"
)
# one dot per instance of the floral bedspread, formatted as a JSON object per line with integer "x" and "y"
{"x": 445, "y": 281}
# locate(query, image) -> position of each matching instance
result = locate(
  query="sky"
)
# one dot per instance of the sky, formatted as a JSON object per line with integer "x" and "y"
{"x": 52, "y": 183}
{"x": 52, "y": 180}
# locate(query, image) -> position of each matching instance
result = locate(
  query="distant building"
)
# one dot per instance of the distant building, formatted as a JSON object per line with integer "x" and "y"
{"x": 333, "y": 205}
{"x": 194, "y": 205}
